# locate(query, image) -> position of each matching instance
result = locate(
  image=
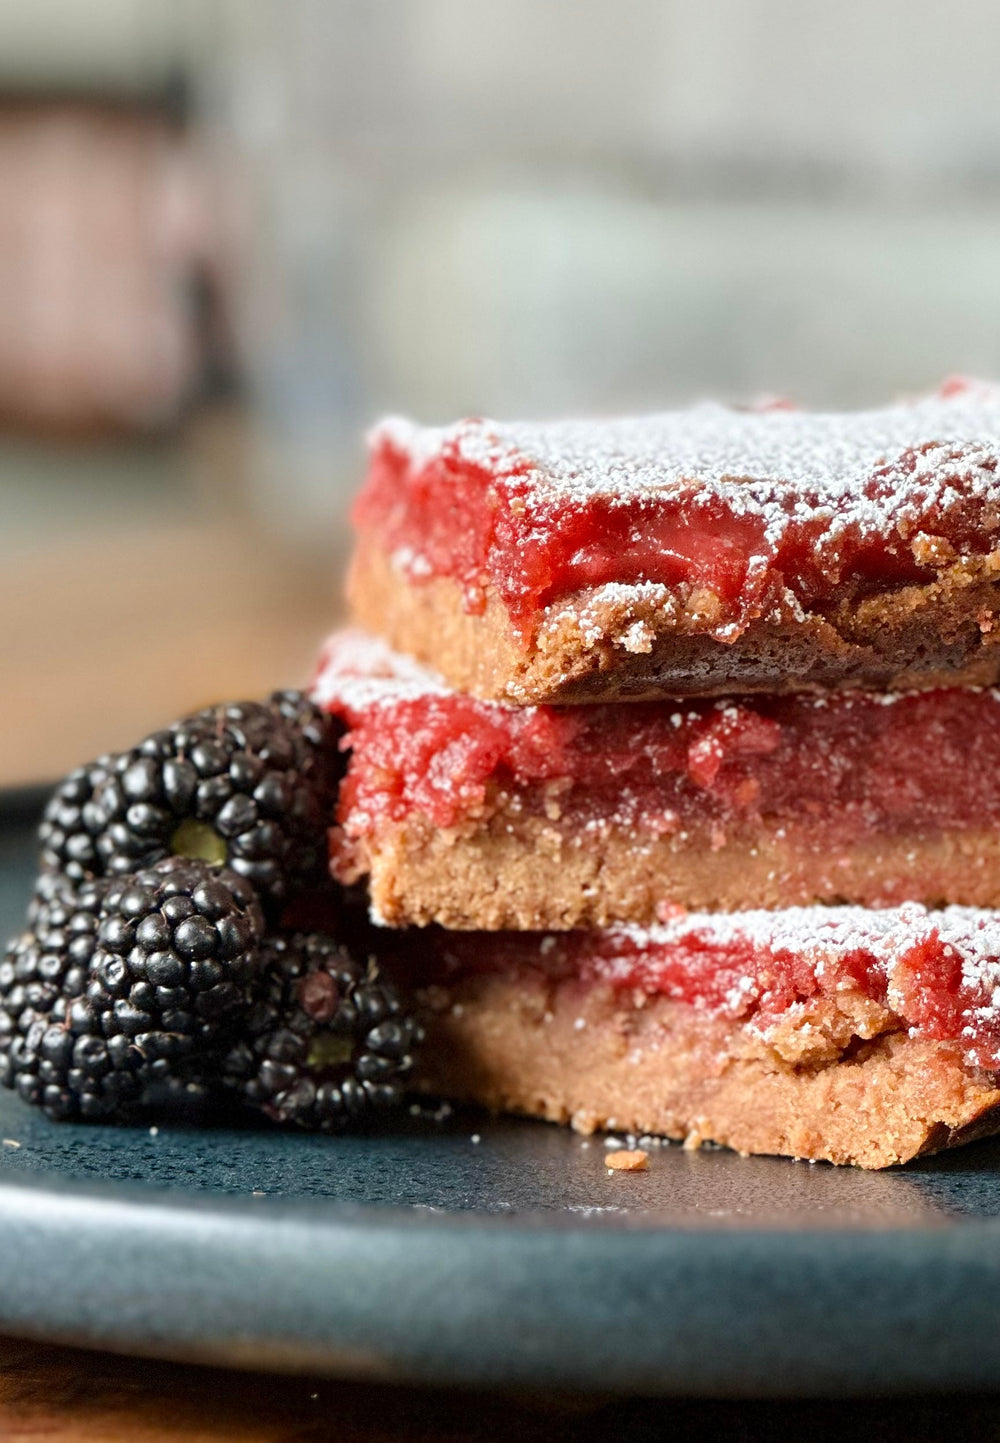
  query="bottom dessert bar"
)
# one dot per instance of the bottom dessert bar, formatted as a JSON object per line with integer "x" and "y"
{"x": 854, "y": 1036}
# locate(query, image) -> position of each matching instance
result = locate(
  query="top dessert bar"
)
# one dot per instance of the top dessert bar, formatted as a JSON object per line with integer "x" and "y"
{"x": 690, "y": 553}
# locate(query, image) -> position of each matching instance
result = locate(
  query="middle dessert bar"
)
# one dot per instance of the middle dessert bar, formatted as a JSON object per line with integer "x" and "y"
{"x": 480, "y": 815}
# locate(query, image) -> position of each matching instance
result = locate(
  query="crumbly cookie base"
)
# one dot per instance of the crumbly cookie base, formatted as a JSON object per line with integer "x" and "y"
{"x": 636, "y": 643}
{"x": 529, "y": 873}
{"x": 840, "y": 1082}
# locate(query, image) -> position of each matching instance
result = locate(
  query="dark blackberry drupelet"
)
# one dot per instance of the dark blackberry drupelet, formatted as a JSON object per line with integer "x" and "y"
{"x": 55, "y": 895}
{"x": 123, "y": 985}
{"x": 68, "y": 1069}
{"x": 249, "y": 784}
{"x": 327, "y": 1043}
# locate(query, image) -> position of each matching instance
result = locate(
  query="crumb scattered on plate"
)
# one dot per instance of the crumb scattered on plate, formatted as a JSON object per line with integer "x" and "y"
{"x": 627, "y": 1159}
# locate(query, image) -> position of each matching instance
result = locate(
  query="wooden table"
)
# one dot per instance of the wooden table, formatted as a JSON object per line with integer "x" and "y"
{"x": 69, "y": 1396}
{"x": 106, "y": 639}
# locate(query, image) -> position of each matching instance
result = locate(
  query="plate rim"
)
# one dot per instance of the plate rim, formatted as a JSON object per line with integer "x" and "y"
{"x": 362, "y": 1293}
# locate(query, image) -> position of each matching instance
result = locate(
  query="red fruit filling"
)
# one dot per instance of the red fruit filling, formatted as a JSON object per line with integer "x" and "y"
{"x": 846, "y": 765}
{"x": 938, "y": 972}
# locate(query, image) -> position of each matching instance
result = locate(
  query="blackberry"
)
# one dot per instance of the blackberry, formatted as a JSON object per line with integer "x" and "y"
{"x": 327, "y": 1043}
{"x": 177, "y": 949}
{"x": 249, "y": 784}
{"x": 123, "y": 985}
{"x": 54, "y": 889}
{"x": 44, "y": 975}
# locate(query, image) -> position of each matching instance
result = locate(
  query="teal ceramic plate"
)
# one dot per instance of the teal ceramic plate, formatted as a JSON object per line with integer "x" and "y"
{"x": 464, "y": 1250}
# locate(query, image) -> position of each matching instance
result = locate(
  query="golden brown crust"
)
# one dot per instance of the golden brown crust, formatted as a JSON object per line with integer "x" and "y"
{"x": 616, "y": 647}
{"x": 851, "y": 1087}
{"x": 531, "y": 873}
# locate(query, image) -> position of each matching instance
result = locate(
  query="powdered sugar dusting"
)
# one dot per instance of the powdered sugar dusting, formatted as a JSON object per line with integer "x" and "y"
{"x": 772, "y": 462}
{"x": 357, "y": 672}
{"x": 815, "y": 932}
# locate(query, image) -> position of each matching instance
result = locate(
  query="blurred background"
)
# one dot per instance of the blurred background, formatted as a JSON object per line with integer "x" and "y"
{"x": 234, "y": 231}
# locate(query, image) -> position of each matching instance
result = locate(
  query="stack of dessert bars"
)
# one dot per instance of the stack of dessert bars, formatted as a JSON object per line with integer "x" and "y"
{"x": 672, "y": 745}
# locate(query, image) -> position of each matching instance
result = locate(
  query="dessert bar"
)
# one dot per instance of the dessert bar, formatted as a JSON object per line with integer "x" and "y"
{"x": 697, "y": 552}
{"x": 481, "y": 815}
{"x": 824, "y": 1033}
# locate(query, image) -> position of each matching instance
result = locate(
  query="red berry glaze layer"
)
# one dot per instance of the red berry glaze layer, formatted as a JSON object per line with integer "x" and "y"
{"x": 854, "y": 796}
